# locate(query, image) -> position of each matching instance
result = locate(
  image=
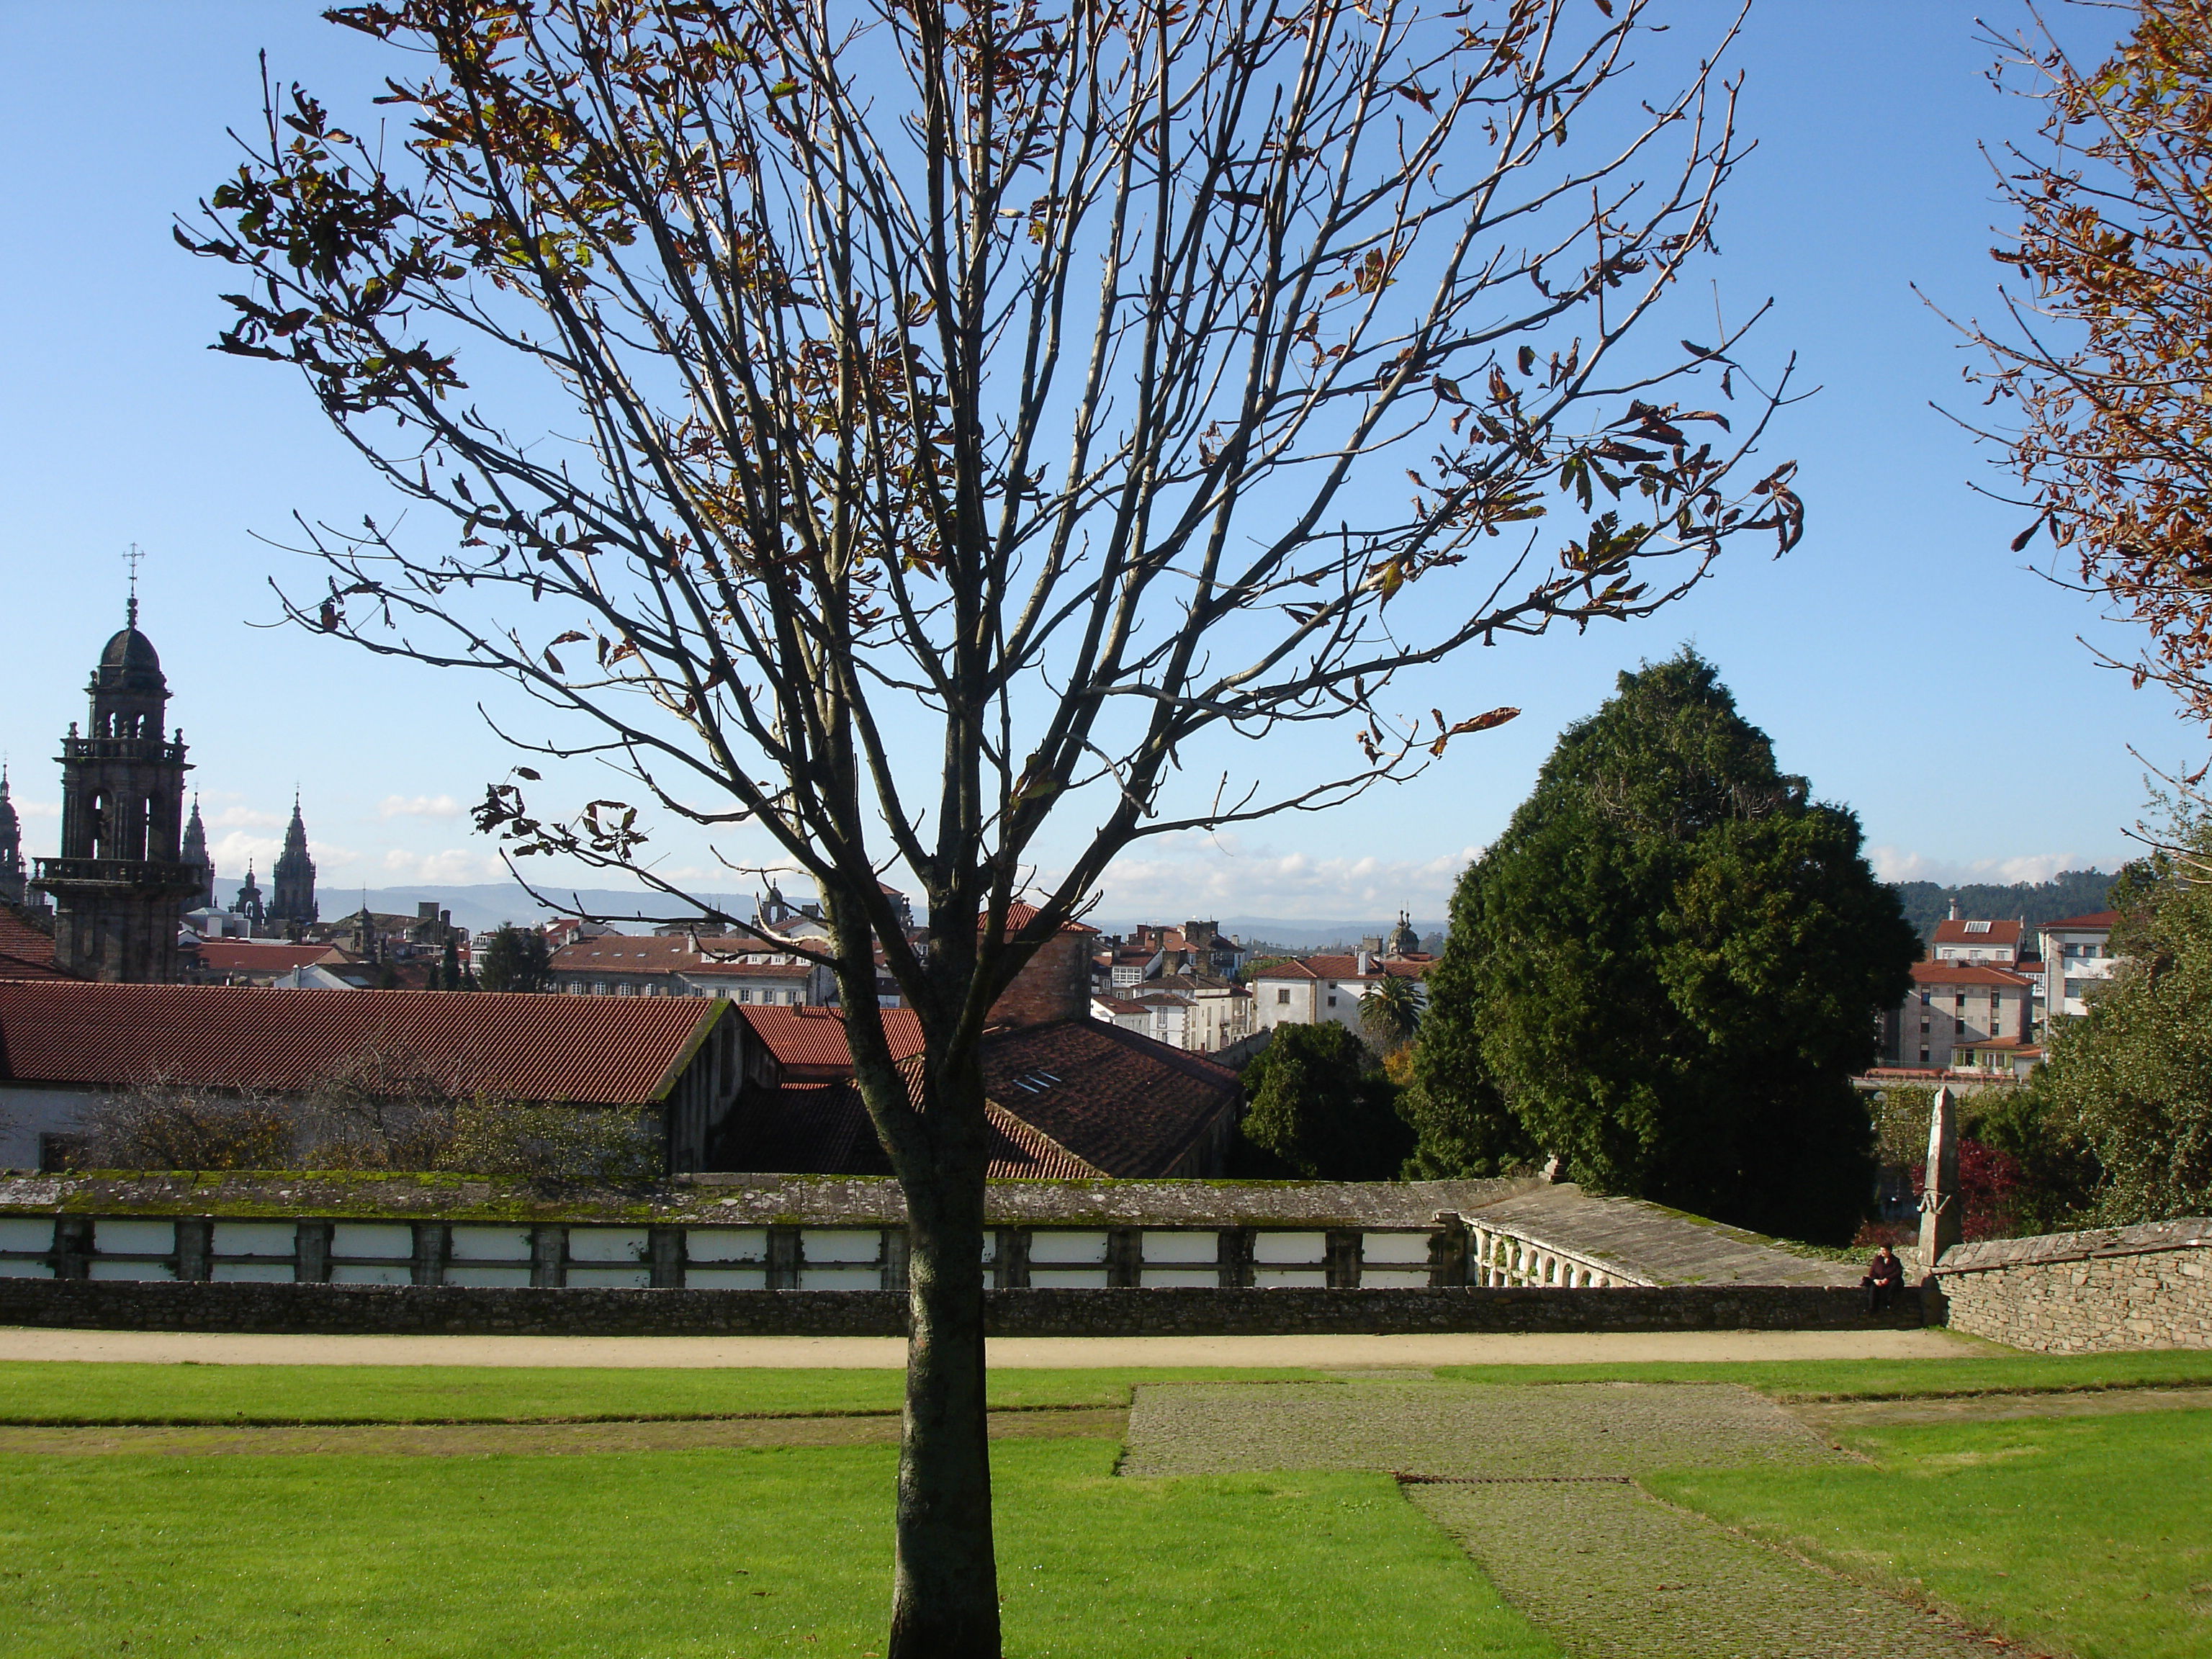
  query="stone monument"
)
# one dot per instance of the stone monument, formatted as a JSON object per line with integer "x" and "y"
{"x": 1942, "y": 1212}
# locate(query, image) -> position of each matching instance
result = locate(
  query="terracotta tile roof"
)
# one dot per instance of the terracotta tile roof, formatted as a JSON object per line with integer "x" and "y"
{"x": 823, "y": 1128}
{"x": 1976, "y": 933}
{"x": 603, "y": 1050}
{"x": 26, "y": 951}
{"x": 1965, "y": 973}
{"x": 1347, "y": 967}
{"x": 1019, "y": 915}
{"x": 1122, "y": 1102}
{"x": 262, "y": 956}
{"x": 814, "y": 1038}
{"x": 2088, "y": 924}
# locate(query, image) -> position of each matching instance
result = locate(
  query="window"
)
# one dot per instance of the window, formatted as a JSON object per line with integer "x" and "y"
{"x": 1924, "y": 1025}
{"x": 1332, "y": 1002}
{"x": 1978, "y": 927}
{"x": 744, "y": 994}
{"x": 1284, "y": 994}
{"x": 1959, "y": 1028}
{"x": 1923, "y": 998}
{"x": 1924, "y": 1056}
{"x": 1962, "y": 999}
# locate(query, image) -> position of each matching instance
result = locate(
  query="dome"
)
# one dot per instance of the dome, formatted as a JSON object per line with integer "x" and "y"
{"x": 131, "y": 649}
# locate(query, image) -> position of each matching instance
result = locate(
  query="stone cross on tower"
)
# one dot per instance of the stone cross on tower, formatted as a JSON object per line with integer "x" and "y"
{"x": 1942, "y": 1210}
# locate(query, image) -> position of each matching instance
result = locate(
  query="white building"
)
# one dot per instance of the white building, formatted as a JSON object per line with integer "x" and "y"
{"x": 1326, "y": 989}
{"x": 1976, "y": 941}
{"x": 2077, "y": 953}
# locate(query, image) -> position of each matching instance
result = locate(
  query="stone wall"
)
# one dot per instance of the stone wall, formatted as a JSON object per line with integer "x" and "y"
{"x": 2088, "y": 1292}
{"x": 448, "y": 1309}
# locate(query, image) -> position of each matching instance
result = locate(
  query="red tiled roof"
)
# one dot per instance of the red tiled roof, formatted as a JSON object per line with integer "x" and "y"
{"x": 2088, "y": 924}
{"x": 824, "y": 1128}
{"x": 616, "y": 1051}
{"x": 814, "y": 1037}
{"x": 1987, "y": 933}
{"x": 1965, "y": 973}
{"x": 1347, "y": 967}
{"x": 26, "y": 951}
{"x": 262, "y": 956}
{"x": 1019, "y": 915}
{"x": 1122, "y": 1103}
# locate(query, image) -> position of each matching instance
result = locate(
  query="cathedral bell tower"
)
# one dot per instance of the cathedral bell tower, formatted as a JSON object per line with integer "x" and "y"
{"x": 121, "y": 883}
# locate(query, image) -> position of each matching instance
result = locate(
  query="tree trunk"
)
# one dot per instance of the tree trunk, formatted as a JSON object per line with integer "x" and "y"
{"x": 945, "y": 1602}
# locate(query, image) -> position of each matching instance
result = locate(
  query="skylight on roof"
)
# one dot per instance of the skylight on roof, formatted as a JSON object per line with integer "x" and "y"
{"x": 1978, "y": 927}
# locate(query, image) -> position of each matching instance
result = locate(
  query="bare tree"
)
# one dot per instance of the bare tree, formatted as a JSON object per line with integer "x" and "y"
{"x": 2102, "y": 351}
{"x": 162, "y": 1125}
{"x": 976, "y": 415}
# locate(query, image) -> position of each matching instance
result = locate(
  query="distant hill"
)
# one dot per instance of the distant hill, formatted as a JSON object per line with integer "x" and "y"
{"x": 2069, "y": 893}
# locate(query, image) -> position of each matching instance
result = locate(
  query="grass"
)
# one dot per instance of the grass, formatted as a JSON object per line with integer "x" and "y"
{"x": 2001, "y": 1371}
{"x": 2088, "y": 1536}
{"x": 67, "y": 1391}
{"x": 681, "y": 1553}
{"x": 70, "y": 1391}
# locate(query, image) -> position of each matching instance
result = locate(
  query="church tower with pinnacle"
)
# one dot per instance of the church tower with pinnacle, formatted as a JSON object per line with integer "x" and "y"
{"x": 195, "y": 855}
{"x": 12, "y": 889}
{"x": 121, "y": 883}
{"x": 292, "y": 895}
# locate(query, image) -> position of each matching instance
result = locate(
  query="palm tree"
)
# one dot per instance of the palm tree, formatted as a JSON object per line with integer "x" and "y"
{"x": 1390, "y": 1013}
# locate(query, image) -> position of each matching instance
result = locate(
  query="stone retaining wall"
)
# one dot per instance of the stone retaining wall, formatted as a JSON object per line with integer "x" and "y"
{"x": 449, "y": 1310}
{"x": 2088, "y": 1292}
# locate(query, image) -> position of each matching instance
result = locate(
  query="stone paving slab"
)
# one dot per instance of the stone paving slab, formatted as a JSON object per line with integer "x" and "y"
{"x": 1462, "y": 1429}
{"x": 1828, "y": 1416}
{"x": 1612, "y": 1573}
{"x": 1537, "y": 1483}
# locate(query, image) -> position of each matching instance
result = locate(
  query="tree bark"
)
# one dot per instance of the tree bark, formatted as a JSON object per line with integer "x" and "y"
{"x": 945, "y": 1590}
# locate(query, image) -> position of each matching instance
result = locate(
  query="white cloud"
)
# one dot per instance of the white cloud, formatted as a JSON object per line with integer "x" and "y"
{"x": 231, "y": 853}
{"x": 35, "y": 809}
{"x": 451, "y": 866}
{"x": 419, "y": 806}
{"x": 245, "y": 817}
{"x": 1221, "y": 879}
{"x": 1899, "y": 863}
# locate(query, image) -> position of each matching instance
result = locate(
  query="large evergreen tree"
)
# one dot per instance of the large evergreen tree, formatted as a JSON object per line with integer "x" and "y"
{"x": 1321, "y": 1109}
{"x": 516, "y": 959}
{"x": 1665, "y": 972}
{"x": 2129, "y": 1086}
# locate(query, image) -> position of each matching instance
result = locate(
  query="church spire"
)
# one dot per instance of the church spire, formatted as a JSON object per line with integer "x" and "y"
{"x": 195, "y": 855}
{"x": 11, "y": 845}
{"x": 292, "y": 901}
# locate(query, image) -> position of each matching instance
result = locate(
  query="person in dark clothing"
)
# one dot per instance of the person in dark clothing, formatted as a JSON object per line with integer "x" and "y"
{"x": 1885, "y": 1278}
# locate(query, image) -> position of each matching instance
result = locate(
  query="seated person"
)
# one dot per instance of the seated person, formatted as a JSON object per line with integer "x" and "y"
{"x": 1885, "y": 1278}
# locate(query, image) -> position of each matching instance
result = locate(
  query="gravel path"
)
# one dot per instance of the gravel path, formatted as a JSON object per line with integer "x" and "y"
{"x": 1613, "y": 1573}
{"x": 1537, "y": 1484}
{"x": 1462, "y": 1429}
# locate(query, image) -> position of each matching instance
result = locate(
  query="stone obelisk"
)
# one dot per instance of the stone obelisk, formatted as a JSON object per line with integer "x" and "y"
{"x": 1943, "y": 1218}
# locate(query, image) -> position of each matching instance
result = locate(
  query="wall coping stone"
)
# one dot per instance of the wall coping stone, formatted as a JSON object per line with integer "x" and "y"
{"x": 2151, "y": 1239}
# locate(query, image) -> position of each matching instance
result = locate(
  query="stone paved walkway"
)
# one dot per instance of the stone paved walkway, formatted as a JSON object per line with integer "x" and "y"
{"x": 1536, "y": 1483}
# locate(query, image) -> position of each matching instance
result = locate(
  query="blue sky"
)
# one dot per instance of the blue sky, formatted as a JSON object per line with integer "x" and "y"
{"x": 1903, "y": 656}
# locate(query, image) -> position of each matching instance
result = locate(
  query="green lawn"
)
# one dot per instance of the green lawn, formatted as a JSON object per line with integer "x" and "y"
{"x": 64, "y": 1391}
{"x": 2088, "y": 1536}
{"x": 68, "y": 1391}
{"x": 745, "y": 1553}
{"x": 1998, "y": 1371}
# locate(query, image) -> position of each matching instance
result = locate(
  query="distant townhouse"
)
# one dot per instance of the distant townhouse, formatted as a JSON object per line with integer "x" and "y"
{"x": 1327, "y": 989}
{"x": 1964, "y": 1016}
{"x": 2077, "y": 954}
{"x": 1976, "y": 941}
{"x": 687, "y": 965}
